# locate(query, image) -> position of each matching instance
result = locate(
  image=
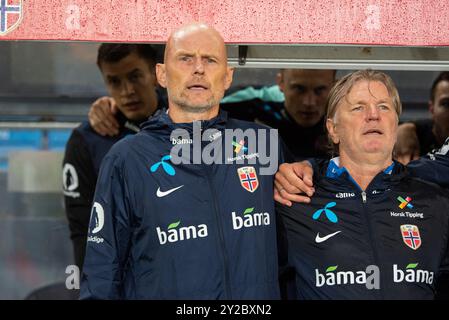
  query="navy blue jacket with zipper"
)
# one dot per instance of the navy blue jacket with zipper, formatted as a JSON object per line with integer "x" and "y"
{"x": 433, "y": 167}
{"x": 399, "y": 225}
{"x": 161, "y": 230}
{"x": 84, "y": 152}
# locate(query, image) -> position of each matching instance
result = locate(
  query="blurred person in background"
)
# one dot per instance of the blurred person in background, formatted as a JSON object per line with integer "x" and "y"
{"x": 422, "y": 136}
{"x": 129, "y": 74}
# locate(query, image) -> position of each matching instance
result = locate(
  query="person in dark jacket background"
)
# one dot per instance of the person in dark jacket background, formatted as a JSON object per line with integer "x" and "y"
{"x": 129, "y": 74}
{"x": 420, "y": 137}
{"x": 163, "y": 229}
{"x": 299, "y": 118}
{"x": 371, "y": 230}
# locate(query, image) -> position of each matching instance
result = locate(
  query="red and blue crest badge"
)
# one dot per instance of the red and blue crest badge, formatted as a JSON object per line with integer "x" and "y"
{"x": 10, "y": 15}
{"x": 411, "y": 236}
{"x": 248, "y": 178}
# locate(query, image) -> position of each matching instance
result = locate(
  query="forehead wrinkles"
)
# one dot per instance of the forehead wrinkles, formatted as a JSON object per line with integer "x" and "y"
{"x": 368, "y": 84}
{"x": 309, "y": 76}
{"x": 203, "y": 41}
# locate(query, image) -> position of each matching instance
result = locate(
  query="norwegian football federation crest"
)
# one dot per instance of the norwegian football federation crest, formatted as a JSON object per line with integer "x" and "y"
{"x": 411, "y": 236}
{"x": 248, "y": 178}
{"x": 11, "y": 13}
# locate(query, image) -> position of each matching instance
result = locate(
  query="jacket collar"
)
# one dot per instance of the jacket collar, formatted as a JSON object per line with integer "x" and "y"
{"x": 332, "y": 176}
{"x": 162, "y": 122}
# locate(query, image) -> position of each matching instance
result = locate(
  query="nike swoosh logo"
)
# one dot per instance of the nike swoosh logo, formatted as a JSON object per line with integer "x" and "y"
{"x": 161, "y": 194}
{"x": 319, "y": 239}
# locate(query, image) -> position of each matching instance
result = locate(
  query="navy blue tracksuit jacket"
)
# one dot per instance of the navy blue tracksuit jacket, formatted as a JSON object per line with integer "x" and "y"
{"x": 161, "y": 230}
{"x": 387, "y": 242}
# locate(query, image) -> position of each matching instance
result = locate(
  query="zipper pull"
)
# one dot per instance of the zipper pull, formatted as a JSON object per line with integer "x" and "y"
{"x": 364, "y": 196}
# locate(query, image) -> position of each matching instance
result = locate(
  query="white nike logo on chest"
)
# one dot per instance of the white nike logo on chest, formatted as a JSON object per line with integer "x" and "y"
{"x": 319, "y": 239}
{"x": 161, "y": 194}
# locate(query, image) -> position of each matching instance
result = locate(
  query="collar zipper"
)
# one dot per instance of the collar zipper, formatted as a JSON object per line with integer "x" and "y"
{"x": 364, "y": 196}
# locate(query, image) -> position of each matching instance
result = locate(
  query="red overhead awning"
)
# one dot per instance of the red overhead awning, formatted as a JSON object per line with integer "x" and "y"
{"x": 370, "y": 22}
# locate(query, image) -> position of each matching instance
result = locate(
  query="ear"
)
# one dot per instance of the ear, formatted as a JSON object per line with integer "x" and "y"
{"x": 332, "y": 130}
{"x": 280, "y": 80}
{"x": 229, "y": 77}
{"x": 161, "y": 75}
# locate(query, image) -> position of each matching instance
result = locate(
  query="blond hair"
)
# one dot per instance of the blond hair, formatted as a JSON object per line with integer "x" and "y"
{"x": 343, "y": 86}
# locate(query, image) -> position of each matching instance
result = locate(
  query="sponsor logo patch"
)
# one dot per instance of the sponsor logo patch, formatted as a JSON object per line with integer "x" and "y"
{"x": 319, "y": 239}
{"x": 175, "y": 232}
{"x": 70, "y": 181}
{"x": 250, "y": 219}
{"x": 405, "y": 202}
{"x": 410, "y": 235}
{"x": 248, "y": 178}
{"x": 168, "y": 168}
{"x": 330, "y": 215}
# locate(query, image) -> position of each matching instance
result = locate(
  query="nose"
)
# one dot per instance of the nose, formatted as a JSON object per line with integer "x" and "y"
{"x": 198, "y": 66}
{"x": 127, "y": 88}
{"x": 373, "y": 113}
{"x": 309, "y": 99}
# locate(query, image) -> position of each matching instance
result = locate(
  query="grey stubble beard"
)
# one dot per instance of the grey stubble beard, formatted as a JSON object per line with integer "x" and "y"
{"x": 201, "y": 108}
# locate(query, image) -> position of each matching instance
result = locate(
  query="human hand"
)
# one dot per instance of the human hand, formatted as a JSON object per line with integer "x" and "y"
{"x": 102, "y": 116}
{"x": 406, "y": 148}
{"x": 292, "y": 180}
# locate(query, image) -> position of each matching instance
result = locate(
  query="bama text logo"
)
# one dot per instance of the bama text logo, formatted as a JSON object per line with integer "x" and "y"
{"x": 250, "y": 219}
{"x": 330, "y": 215}
{"x": 405, "y": 202}
{"x": 168, "y": 168}
{"x": 412, "y": 275}
{"x": 175, "y": 234}
{"x": 331, "y": 277}
{"x": 175, "y": 141}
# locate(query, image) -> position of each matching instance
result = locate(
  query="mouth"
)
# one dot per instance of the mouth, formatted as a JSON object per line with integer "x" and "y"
{"x": 132, "y": 105}
{"x": 308, "y": 114}
{"x": 198, "y": 87}
{"x": 373, "y": 132}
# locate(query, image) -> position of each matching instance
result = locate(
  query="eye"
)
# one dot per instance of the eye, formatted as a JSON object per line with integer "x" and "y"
{"x": 357, "y": 108}
{"x": 185, "y": 58}
{"x": 299, "y": 88}
{"x": 115, "y": 82}
{"x": 444, "y": 103}
{"x": 135, "y": 77}
{"x": 319, "y": 91}
{"x": 211, "y": 60}
{"x": 384, "y": 107}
